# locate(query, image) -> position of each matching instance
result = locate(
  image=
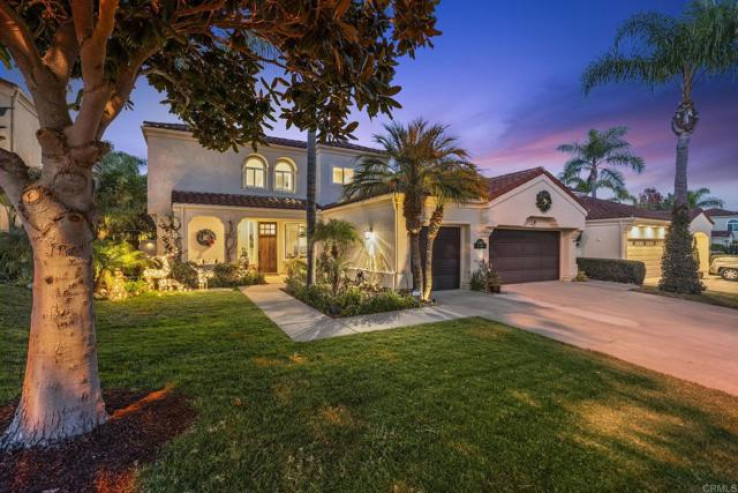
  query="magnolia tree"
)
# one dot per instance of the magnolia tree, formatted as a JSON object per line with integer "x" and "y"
{"x": 81, "y": 59}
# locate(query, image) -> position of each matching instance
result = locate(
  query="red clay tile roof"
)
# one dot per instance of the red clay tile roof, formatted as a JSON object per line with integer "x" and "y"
{"x": 298, "y": 144}
{"x": 720, "y": 213}
{"x": 500, "y": 185}
{"x": 606, "y": 209}
{"x": 232, "y": 200}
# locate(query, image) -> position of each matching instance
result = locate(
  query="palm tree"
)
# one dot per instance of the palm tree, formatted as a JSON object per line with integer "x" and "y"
{"x": 456, "y": 182}
{"x": 665, "y": 49}
{"x": 110, "y": 255}
{"x": 416, "y": 159}
{"x": 336, "y": 236}
{"x": 696, "y": 199}
{"x": 595, "y": 159}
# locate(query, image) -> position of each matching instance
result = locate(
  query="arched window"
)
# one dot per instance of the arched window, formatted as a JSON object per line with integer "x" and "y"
{"x": 254, "y": 172}
{"x": 284, "y": 176}
{"x": 733, "y": 225}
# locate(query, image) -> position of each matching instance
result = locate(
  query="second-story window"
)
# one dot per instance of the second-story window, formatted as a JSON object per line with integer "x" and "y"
{"x": 342, "y": 176}
{"x": 254, "y": 173}
{"x": 284, "y": 176}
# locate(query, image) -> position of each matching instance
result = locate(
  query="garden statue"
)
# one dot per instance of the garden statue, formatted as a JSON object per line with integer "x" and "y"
{"x": 118, "y": 291}
{"x": 155, "y": 277}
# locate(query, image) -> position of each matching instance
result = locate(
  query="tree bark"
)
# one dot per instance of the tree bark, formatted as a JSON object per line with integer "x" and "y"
{"x": 61, "y": 396}
{"x": 311, "y": 206}
{"x": 434, "y": 226}
{"x": 683, "y": 124}
{"x": 417, "y": 266}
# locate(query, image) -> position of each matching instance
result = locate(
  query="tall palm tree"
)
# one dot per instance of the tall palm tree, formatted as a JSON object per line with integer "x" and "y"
{"x": 664, "y": 49}
{"x": 696, "y": 199}
{"x": 416, "y": 159}
{"x": 456, "y": 182}
{"x": 596, "y": 159}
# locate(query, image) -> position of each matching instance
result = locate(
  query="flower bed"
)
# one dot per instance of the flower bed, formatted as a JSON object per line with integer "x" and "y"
{"x": 351, "y": 300}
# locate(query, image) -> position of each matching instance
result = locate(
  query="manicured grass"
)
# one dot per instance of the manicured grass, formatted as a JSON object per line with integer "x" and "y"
{"x": 728, "y": 300}
{"x": 469, "y": 405}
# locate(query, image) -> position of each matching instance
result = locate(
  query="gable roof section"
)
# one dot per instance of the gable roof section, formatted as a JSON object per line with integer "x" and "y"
{"x": 606, "y": 209}
{"x": 297, "y": 144}
{"x": 720, "y": 213}
{"x": 232, "y": 200}
{"x": 500, "y": 185}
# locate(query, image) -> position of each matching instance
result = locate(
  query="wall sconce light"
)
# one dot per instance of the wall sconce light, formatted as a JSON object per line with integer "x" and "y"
{"x": 148, "y": 247}
{"x": 578, "y": 239}
{"x": 480, "y": 244}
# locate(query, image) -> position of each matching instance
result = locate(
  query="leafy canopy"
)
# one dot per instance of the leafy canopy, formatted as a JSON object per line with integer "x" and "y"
{"x": 208, "y": 57}
{"x": 592, "y": 163}
{"x": 654, "y": 48}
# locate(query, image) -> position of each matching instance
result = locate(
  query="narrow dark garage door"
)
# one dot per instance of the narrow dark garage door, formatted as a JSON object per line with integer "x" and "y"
{"x": 446, "y": 258}
{"x": 525, "y": 256}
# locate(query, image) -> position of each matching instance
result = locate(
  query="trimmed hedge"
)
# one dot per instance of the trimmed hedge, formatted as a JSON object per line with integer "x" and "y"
{"x": 607, "y": 269}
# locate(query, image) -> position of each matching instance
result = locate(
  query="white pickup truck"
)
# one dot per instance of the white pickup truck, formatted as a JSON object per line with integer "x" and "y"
{"x": 725, "y": 266}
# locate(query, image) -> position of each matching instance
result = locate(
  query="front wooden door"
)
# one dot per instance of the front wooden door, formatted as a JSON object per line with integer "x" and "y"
{"x": 268, "y": 247}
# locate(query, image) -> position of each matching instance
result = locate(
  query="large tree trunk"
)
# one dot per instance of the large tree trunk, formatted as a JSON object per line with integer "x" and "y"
{"x": 412, "y": 210}
{"x": 416, "y": 266}
{"x": 434, "y": 226}
{"x": 311, "y": 206}
{"x": 683, "y": 124}
{"x": 61, "y": 395}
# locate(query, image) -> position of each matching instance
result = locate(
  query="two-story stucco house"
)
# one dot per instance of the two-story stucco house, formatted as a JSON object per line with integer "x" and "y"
{"x": 725, "y": 232}
{"x": 254, "y": 202}
{"x": 18, "y": 126}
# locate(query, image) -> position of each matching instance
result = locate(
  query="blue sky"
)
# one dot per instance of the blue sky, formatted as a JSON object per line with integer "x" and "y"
{"x": 505, "y": 77}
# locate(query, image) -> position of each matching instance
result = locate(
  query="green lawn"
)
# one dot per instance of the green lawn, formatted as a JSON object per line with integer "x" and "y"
{"x": 459, "y": 406}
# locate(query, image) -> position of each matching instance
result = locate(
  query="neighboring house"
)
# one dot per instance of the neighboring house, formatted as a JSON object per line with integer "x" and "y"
{"x": 18, "y": 126}
{"x": 254, "y": 202}
{"x": 725, "y": 232}
{"x": 622, "y": 231}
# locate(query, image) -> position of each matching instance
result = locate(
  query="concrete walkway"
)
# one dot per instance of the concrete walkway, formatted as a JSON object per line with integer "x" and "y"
{"x": 689, "y": 340}
{"x": 303, "y": 323}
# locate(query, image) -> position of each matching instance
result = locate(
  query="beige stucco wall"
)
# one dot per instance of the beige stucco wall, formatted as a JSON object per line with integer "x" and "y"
{"x": 176, "y": 161}
{"x": 21, "y": 124}
{"x": 378, "y": 218}
{"x": 608, "y": 238}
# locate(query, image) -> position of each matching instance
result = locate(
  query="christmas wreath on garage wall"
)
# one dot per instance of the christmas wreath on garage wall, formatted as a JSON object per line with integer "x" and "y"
{"x": 543, "y": 201}
{"x": 206, "y": 237}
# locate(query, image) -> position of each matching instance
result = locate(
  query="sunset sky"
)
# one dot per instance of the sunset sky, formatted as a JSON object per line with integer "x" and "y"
{"x": 505, "y": 77}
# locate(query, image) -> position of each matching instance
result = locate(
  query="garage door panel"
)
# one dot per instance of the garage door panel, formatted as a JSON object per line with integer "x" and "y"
{"x": 446, "y": 258}
{"x": 649, "y": 252}
{"x": 525, "y": 256}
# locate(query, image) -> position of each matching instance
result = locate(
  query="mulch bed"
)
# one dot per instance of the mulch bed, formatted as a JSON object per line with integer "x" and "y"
{"x": 106, "y": 459}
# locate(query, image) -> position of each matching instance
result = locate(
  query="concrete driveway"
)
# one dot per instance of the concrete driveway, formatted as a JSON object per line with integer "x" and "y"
{"x": 689, "y": 340}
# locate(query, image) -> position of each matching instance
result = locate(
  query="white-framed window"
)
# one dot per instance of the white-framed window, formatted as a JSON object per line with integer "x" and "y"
{"x": 284, "y": 176}
{"x": 295, "y": 241}
{"x": 254, "y": 172}
{"x": 342, "y": 176}
{"x": 733, "y": 225}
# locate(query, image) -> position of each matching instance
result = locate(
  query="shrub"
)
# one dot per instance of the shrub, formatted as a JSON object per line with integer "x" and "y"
{"x": 227, "y": 275}
{"x": 16, "y": 257}
{"x": 350, "y": 301}
{"x": 605, "y": 269}
{"x": 485, "y": 279}
{"x": 136, "y": 288}
{"x": 184, "y": 273}
{"x": 679, "y": 268}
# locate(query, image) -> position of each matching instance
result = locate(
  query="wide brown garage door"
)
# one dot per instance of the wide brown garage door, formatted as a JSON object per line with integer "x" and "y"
{"x": 446, "y": 258}
{"x": 525, "y": 256}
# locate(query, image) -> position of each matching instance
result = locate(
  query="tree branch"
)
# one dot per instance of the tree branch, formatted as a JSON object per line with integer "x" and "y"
{"x": 93, "y": 43}
{"x": 14, "y": 176}
{"x": 62, "y": 54}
